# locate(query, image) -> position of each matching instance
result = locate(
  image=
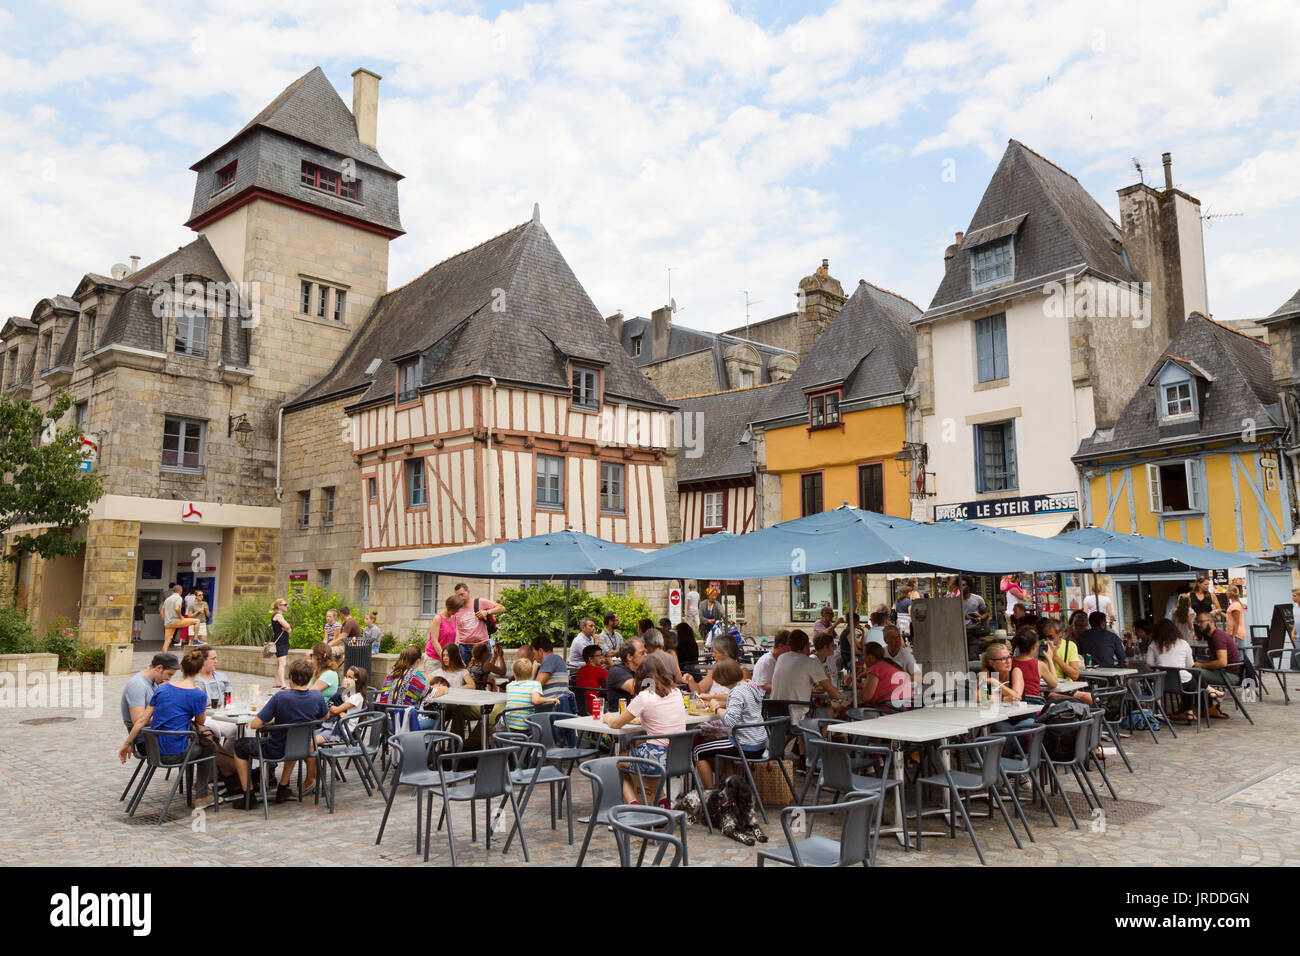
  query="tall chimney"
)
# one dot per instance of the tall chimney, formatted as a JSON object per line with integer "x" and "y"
{"x": 135, "y": 264}
{"x": 1168, "y": 160}
{"x": 661, "y": 321}
{"x": 365, "y": 105}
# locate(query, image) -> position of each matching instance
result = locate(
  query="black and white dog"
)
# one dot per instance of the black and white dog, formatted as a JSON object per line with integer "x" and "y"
{"x": 730, "y": 808}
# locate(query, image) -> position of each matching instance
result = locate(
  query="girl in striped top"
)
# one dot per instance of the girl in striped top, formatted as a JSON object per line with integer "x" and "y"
{"x": 743, "y": 705}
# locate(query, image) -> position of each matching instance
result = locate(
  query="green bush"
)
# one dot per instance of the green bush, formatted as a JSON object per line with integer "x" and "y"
{"x": 91, "y": 661}
{"x": 243, "y": 622}
{"x": 16, "y": 635}
{"x": 61, "y": 639}
{"x": 306, "y": 614}
{"x": 629, "y": 609}
{"x": 388, "y": 644}
{"x": 540, "y": 610}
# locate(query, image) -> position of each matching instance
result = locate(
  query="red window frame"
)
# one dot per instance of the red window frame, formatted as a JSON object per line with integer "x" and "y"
{"x": 226, "y": 174}
{"x": 327, "y": 180}
{"x": 813, "y": 423}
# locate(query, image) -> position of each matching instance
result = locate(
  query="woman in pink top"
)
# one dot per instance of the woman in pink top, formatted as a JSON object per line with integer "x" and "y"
{"x": 883, "y": 681}
{"x": 660, "y": 709}
{"x": 442, "y": 631}
{"x": 1237, "y": 618}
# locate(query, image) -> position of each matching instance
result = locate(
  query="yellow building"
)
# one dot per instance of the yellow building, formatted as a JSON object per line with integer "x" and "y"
{"x": 1194, "y": 458}
{"x": 832, "y": 433}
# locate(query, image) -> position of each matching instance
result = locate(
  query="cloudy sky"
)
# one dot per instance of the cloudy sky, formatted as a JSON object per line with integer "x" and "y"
{"x": 738, "y": 144}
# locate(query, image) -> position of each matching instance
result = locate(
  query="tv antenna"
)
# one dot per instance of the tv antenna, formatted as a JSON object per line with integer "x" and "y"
{"x": 1209, "y": 216}
{"x": 748, "y": 303}
{"x": 1137, "y": 165}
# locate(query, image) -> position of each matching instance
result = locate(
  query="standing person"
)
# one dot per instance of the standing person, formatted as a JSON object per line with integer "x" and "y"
{"x": 903, "y": 607}
{"x": 1202, "y": 599}
{"x": 173, "y": 619}
{"x": 280, "y": 631}
{"x": 442, "y": 631}
{"x": 711, "y": 614}
{"x": 1236, "y": 614}
{"x": 200, "y": 611}
{"x": 1183, "y": 616}
{"x": 977, "y": 615}
{"x": 1223, "y": 654}
{"x": 371, "y": 634}
{"x": 692, "y": 606}
{"x": 1096, "y": 601}
{"x": 333, "y": 631}
{"x": 188, "y": 634}
{"x": 610, "y": 640}
{"x": 1183, "y": 590}
{"x": 766, "y": 665}
{"x": 475, "y": 622}
{"x": 1015, "y": 593}
{"x": 351, "y": 628}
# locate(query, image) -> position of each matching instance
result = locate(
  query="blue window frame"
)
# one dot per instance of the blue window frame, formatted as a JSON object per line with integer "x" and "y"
{"x": 992, "y": 263}
{"x": 991, "y": 347}
{"x": 995, "y": 457}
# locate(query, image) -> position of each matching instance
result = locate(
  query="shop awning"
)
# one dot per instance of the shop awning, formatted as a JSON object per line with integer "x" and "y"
{"x": 561, "y": 554}
{"x": 1039, "y": 526}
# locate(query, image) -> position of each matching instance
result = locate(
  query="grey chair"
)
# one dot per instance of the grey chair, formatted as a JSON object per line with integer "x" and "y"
{"x": 607, "y": 792}
{"x": 1022, "y": 756}
{"x": 963, "y": 785}
{"x": 857, "y": 834}
{"x": 678, "y": 762}
{"x": 183, "y": 763}
{"x": 543, "y": 731}
{"x": 1147, "y": 692}
{"x": 299, "y": 746}
{"x": 1111, "y": 701}
{"x": 1093, "y": 760}
{"x": 628, "y": 825}
{"x": 1239, "y": 669}
{"x": 1079, "y": 733}
{"x": 528, "y": 769}
{"x": 839, "y": 763}
{"x": 1195, "y": 688}
{"x": 1272, "y": 664}
{"x": 489, "y": 779}
{"x": 412, "y": 752}
{"x": 777, "y": 730}
{"x": 359, "y": 742}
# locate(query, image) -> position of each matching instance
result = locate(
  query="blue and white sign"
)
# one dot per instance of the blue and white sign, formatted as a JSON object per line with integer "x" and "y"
{"x": 1008, "y": 507}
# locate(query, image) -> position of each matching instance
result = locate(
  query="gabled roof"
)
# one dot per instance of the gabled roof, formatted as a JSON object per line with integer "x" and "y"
{"x": 686, "y": 341}
{"x": 869, "y": 346}
{"x": 311, "y": 110}
{"x": 722, "y": 418}
{"x": 510, "y": 308}
{"x": 1189, "y": 365}
{"x": 196, "y": 258}
{"x": 1057, "y": 226}
{"x": 1288, "y": 308}
{"x": 1240, "y": 389}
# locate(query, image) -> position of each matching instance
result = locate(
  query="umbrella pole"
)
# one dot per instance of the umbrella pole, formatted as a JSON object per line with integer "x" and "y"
{"x": 1141, "y": 606}
{"x": 853, "y": 638}
{"x": 566, "y": 611}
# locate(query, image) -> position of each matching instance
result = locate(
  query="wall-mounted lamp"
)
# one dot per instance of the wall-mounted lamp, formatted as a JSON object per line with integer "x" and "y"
{"x": 240, "y": 427}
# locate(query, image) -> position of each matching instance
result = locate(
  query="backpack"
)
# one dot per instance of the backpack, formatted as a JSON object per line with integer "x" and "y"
{"x": 1142, "y": 720}
{"x": 1059, "y": 744}
{"x": 490, "y": 621}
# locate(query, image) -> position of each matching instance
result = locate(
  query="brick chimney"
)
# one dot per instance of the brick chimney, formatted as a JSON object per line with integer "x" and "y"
{"x": 365, "y": 105}
{"x": 820, "y": 298}
{"x": 1163, "y": 240}
{"x": 661, "y": 321}
{"x": 615, "y": 323}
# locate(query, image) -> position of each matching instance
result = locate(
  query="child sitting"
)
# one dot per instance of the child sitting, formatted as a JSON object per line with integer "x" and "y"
{"x": 592, "y": 674}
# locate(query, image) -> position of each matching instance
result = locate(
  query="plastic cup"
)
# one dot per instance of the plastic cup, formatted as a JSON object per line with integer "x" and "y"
{"x": 594, "y": 707}
{"x": 622, "y": 706}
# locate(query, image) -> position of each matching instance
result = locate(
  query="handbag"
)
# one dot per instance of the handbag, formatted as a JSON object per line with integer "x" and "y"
{"x": 268, "y": 649}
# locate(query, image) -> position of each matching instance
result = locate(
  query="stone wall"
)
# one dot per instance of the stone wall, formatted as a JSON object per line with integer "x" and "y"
{"x": 108, "y": 588}
{"x": 693, "y": 374}
{"x": 255, "y": 553}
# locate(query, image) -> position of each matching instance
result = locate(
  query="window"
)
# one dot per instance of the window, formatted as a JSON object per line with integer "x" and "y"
{"x": 318, "y": 177}
{"x": 372, "y": 489}
{"x": 995, "y": 457}
{"x": 306, "y": 298}
{"x": 991, "y": 347}
{"x": 746, "y": 378}
{"x": 82, "y": 413}
{"x": 809, "y": 593}
{"x": 1175, "y": 487}
{"x": 326, "y": 577}
{"x": 714, "y": 514}
{"x": 408, "y": 381}
{"x": 191, "y": 332}
{"x": 322, "y": 301}
{"x": 550, "y": 481}
{"x": 47, "y": 349}
{"x": 339, "y": 298}
{"x": 417, "y": 490}
{"x": 428, "y": 595}
{"x": 90, "y": 330}
{"x": 617, "y": 589}
{"x": 1178, "y": 399}
{"x": 871, "y": 488}
{"x": 362, "y": 590}
{"x": 636, "y": 345}
{"x": 182, "y": 445}
{"x": 810, "y": 487}
{"x": 304, "y": 509}
{"x": 992, "y": 263}
{"x": 226, "y": 175}
{"x": 611, "y": 487}
{"x": 824, "y": 410}
{"x": 585, "y": 388}
{"x": 328, "y": 506}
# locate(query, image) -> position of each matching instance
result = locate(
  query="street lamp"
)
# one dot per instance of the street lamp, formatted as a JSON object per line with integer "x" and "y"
{"x": 240, "y": 427}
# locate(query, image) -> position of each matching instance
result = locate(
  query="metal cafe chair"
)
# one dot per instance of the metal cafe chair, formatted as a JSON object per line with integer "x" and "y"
{"x": 154, "y": 759}
{"x": 963, "y": 785}
{"x": 856, "y": 843}
{"x": 627, "y": 823}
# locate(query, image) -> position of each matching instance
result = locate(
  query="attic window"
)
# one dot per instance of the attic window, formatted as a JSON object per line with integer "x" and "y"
{"x": 408, "y": 381}
{"x": 586, "y": 388}
{"x": 226, "y": 175}
{"x": 1178, "y": 399}
{"x": 824, "y": 409}
{"x": 992, "y": 263}
{"x": 636, "y": 345}
{"x": 345, "y": 184}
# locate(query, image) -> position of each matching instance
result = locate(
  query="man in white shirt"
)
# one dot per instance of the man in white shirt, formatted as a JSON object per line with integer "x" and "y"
{"x": 900, "y": 653}
{"x": 172, "y": 617}
{"x": 765, "y": 665}
{"x": 797, "y": 675}
{"x": 1099, "y": 602}
{"x": 693, "y": 607}
{"x": 610, "y": 640}
{"x": 586, "y": 637}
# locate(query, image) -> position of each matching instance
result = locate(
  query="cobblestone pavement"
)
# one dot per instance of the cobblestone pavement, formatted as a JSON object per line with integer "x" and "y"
{"x": 1226, "y": 796}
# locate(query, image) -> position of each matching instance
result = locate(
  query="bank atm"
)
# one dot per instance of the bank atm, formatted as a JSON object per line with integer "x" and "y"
{"x": 939, "y": 644}
{"x": 145, "y": 613}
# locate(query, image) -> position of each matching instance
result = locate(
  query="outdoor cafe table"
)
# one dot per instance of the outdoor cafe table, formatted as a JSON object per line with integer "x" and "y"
{"x": 1109, "y": 675}
{"x": 594, "y": 725}
{"x": 1068, "y": 686}
{"x": 241, "y": 715}
{"x": 484, "y": 700}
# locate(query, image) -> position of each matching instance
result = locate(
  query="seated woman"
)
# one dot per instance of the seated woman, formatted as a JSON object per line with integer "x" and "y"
{"x": 743, "y": 705}
{"x": 484, "y": 665}
{"x": 659, "y": 708}
{"x": 456, "y": 717}
{"x": 1168, "y": 649}
{"x": 404, "y": 684}
{"x": 325, "y": 665}
{"x": 881, "y": 682}
{"x": 688, "y": 649}
{"x": 724, "y": 649}
{"x": 354, "y": 701}
{"x": 1035, "y": 671}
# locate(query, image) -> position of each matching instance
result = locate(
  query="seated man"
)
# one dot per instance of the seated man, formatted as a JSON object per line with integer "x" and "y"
{"x": 1223, "y": 654}
{"x": 797, "y": 675}
{"x": 586, "y": 637}
{"x": 900, "y": 654}
{"x": 766, "y": 664}
{"x": 217, "y": 687}
{"x": 293, "y": 706}
{"x": 1104, "y": 645}
{"x": 139, "y": 689}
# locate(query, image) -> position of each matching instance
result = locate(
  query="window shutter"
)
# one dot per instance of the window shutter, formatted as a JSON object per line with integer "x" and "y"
{"x": 978, "y": 442}
{"x": 1153, "y": 488}
{"x": 1194, "y": 502}
{"x": 1000, "y": 366}
{"x": 1013, "y": 472}
{"x": 984, "y": 350}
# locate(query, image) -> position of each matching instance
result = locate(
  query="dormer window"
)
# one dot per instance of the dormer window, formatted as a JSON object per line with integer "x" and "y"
{"x": 408, "y": 381}
{"x": 89, "y": 317}
{"x": 586, "y": 388}
{"x": 992, "y": 264}
{"x": 1178, "y": 399}
{"x": 342, "y": 184}
{"x": 824, "y": 409}
{"x": 226, "y": 175}
{"x": 636, "y": 345}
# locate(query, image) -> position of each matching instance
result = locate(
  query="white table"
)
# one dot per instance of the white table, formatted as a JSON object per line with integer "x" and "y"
{"x": 241, "y": 715}
{"x": 1111, "y": 675}
{"x": 1066, "y": 686}
{"x": 594, "y": 725}
{"x": 484, "y": 700}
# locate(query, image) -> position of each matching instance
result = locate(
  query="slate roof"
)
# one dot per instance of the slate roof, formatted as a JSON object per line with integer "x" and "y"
{"x": 132, "y": 322}
{"x": 311, "y": 110}
{"x": 723, "y": 418}
{"x": 686, "y": 341}
{"x": 1057, "y": 226}
{"x": 510, "y": 308}
{"x": 1290, "y": 307}
{"x": 1242, "y": 388}
{"x": 68, "y": 347}
{"x": 870, "y": 346}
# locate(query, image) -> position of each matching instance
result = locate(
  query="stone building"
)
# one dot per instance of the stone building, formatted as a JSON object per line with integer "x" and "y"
{"x": 483, "y": 401}
{"x": 294, "y": 215}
